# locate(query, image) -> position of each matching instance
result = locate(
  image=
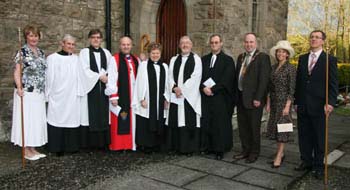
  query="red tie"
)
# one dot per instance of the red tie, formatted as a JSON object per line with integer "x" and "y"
{"x": 312, "y": 63}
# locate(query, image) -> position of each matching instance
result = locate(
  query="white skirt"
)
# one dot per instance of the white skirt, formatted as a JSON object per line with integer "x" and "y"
{"x": 35, "y": 127}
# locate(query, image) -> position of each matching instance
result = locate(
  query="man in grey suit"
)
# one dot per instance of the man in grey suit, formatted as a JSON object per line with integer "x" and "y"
{"x": 253, "y": 72}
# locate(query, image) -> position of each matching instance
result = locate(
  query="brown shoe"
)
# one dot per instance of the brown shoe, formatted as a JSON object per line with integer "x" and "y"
{"x": 240, "y": 156}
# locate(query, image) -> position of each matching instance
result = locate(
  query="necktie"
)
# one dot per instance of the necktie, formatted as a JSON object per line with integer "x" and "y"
{"x": 244, "y": 67}
{"x": 212, "y": 61}
{"x": 312, "y": 63}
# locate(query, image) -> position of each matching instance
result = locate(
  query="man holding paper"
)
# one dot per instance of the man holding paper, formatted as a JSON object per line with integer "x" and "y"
{"x": 217, "y": 89}
{"x": 120, "y": 88}
{"x": 185, "y": 72}
{"x": 94, "y": 106}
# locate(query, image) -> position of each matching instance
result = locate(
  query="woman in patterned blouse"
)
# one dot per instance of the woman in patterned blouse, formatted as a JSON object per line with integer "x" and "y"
{"x": 31, "y": 61}
{"x": 280, "y": 99}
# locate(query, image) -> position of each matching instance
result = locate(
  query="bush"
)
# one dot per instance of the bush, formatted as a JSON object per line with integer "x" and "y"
{"x": 343, "y": 74}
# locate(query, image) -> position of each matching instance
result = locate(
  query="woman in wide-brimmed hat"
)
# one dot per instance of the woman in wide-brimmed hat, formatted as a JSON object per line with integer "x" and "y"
{"x": 280, "y": 99}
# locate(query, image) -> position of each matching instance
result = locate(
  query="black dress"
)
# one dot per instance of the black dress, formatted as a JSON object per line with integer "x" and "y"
{"x": 281, "y": 89}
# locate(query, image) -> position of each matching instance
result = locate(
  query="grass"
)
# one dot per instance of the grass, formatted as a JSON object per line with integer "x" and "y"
{"x": 342, "y": 110}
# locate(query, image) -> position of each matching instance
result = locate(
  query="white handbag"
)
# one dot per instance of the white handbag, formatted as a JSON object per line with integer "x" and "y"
{"x": 285, "y": 127}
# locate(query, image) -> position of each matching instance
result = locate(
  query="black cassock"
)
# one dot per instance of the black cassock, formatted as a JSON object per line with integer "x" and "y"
{"x": 96, "y": 135}
{"x": 217, "y": 110}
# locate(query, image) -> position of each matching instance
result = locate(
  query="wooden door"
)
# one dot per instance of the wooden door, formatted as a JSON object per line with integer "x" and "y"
{"x": 171, "y": 25}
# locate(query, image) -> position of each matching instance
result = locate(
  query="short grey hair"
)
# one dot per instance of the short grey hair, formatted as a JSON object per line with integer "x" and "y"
{"x": 68, "y": 37}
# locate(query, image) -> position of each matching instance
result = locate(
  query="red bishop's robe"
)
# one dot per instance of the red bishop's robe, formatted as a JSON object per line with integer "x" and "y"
{"x": 121, "y": 80}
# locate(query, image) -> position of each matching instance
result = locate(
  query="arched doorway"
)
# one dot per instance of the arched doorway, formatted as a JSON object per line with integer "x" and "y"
{"x": 171, "y": 25}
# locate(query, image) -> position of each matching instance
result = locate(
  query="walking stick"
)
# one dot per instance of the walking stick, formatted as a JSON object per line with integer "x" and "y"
{"x": 22, "y": 111}
{"x": 326, "y": 124}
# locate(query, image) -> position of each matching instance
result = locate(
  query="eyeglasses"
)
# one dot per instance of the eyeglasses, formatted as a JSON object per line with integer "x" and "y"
{"x": 214, "y": 42}
{"x": 316, "y": 37}
{"x": 95, "y": 37}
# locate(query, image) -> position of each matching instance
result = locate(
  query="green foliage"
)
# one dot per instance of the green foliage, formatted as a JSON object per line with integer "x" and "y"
{"x": 343, "y": 110}
{"x": 344, "y": 74}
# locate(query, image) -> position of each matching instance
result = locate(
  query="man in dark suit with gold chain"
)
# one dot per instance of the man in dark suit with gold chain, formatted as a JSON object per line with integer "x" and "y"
{"x": 310, "y": 101}
{"x": 253, "y": 72}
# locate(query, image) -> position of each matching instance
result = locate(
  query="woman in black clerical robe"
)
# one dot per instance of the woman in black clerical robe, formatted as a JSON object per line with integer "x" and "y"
{"x": 150, "y": 100}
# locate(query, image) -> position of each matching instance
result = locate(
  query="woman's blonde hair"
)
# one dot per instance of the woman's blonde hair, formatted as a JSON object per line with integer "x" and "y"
{"x": 31, "y": 29}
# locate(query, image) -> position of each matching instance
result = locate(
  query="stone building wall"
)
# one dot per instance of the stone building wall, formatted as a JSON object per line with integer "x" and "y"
{"x": 232, "y": 19}
{"x": 55, "y": 18}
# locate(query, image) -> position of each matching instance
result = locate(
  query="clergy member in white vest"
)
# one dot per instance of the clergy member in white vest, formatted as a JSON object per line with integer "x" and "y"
{"x": 120, "y": 87}
{"x": 185, "y": 72}
{"x": 94, "y": 106}
{"x": 63, "y": 92}
{"x": 150, "y": 100}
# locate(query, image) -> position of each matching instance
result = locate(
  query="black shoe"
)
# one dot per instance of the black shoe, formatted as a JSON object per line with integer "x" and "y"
{"x": 60, "y": 154}
{"x": 272, "y": 161}
{"x": 277, "y": 166}
{"x": 318, "y": 174}
{"x": 251, "y": 159}
{"x": 240, "y": 156}
{"x": 189, "y": 154}
{"x": 303, "y": 167}
{"x": 219, "y": 156}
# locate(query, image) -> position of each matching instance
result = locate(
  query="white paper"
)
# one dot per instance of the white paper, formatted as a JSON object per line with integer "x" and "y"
{"x": 285, "y": 127}
{"x": 209, "y": 83}
{"x": 103, "y": 72}
{"x": 175, "y": 100}
{"x": 114, "y": 109}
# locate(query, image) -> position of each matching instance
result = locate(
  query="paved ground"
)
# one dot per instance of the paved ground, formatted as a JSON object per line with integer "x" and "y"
{"x": 134, "y": 171}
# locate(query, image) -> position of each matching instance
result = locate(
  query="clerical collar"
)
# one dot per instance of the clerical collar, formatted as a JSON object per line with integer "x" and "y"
{"x": 97, "y": 50}
{"x": 62, "y": 52}
{"x": 154, "y": 62}
{"x": 185, "y": 55}
{"x": 216, "y": 53}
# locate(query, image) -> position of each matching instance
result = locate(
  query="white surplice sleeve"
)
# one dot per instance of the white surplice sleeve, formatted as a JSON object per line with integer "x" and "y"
{"x": 190, "y": 89}
{"x": 87, "y": 77}
{"x": 141, "y": 91}
{"x": 111, "y": 86}
{"x": 171, "y": 81}
{"x": 167, "y": 91}
{"x": 49, "y": 76}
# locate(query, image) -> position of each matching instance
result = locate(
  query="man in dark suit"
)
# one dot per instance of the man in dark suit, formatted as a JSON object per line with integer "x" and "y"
{"x": 253, "y": 72}
{"x": 310, "y": 101}
{"x": 217, "y": 89}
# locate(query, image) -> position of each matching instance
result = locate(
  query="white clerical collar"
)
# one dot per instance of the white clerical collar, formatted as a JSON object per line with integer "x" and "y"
{"x": 185, "y": 55}
{"x": 216, "y": 53}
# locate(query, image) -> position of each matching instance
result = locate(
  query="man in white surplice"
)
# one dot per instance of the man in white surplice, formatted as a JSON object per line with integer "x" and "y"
{"x": 65, "y": 85}
{"x": 94, "y": 106}
{"x": 185, "y": 72}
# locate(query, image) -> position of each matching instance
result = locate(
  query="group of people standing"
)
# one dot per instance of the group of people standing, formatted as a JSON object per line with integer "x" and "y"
{"x": 119, "y": 102}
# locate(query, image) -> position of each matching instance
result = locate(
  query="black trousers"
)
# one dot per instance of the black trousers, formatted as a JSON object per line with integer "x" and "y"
{"x": 311, "y": 133}
{"x": 249, "y": 122}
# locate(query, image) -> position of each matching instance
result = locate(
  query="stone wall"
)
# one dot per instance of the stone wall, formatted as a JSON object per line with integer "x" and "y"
{"x": 230, "y": 18}
{"x": 54, "y": 18}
